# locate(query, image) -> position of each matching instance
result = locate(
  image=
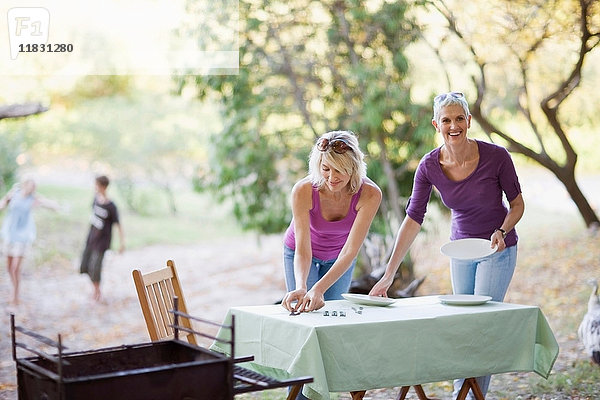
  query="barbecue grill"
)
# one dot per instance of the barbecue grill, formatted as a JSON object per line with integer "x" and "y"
{"x": 171, "y": 369}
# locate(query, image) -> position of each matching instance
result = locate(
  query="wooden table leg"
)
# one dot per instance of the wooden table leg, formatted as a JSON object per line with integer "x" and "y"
{"x": 358, "y": 395}
{"x": 470, "y": 384}
{"x": 477, "y": 393}
{"x": 403, "y": 392}
{"x": 421, "y": 393}
{"x": 294, "y": 391}
{"x": 418, "y": 390}
{"x": 464, "y": 389}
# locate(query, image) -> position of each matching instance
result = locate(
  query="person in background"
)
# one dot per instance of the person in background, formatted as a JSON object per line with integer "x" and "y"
{"x": 104, "y": 216}
{"x": 18, "y": 227}
{"x": 332, "y": 209}
{"x": 471, "y": 177}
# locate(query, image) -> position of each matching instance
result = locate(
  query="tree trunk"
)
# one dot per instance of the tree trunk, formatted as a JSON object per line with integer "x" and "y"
{"x": 567, "y": 178}
{"x": 393, "y": 192}
{"x": 170, "y": 198}
{"x": 565, "y": 173}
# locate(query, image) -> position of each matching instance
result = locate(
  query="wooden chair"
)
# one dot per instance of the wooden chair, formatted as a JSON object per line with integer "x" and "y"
{"x": 155, "y": 292}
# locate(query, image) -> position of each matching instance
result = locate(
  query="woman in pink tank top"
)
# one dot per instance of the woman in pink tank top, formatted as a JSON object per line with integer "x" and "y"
{"x": 332, "y": 208}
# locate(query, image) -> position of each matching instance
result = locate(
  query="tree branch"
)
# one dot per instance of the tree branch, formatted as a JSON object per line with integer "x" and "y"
{"x": 21, "y": 110}
{"x": 526, "y": 109}
{"x": 552, "y": 102}
{"x": 339, "y": 9}
{"x": 293, "y": 78}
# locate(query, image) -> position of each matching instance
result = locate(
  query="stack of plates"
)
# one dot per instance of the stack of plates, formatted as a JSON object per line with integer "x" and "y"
{"x": 464, "y": 299}
{"x": 367, "y": 300}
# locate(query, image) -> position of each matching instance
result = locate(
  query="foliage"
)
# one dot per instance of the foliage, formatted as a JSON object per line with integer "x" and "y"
{"x": 137, "y": 138}
{"x": 12, "y": 146}
{"x": 96, "y": 86}
{"x": 308, "y": 67}
{"x": 9, "y": 148}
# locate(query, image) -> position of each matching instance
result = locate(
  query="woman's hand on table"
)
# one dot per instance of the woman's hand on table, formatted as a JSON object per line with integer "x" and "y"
{"x": 381, "y": 287}
{"x": 295, "y": 296}
{"x": 313, "y": 300}
{"x": 300, "y": 301}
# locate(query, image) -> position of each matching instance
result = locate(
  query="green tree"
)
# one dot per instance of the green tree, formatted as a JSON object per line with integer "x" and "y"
{"x": 524, "y": 58}
{"x": 148, "y": 138}
{"x": 11, "y": 141}
{"x": 9, "y": 146}
{"x": 307, "y": 67}
{"x": 140, "y": 138}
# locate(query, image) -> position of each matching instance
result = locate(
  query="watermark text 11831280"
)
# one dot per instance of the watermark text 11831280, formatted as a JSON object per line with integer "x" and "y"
{"x": 46, "y": 48}
{"x": 97, "y": 37}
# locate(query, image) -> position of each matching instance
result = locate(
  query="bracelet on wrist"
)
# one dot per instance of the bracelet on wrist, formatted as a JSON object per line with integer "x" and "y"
{"x": 502, "y": 231}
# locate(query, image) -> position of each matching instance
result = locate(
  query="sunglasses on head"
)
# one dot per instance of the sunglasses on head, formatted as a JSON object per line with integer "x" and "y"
{"x": 444, "y": 96}
{"x": 340, "y": 146}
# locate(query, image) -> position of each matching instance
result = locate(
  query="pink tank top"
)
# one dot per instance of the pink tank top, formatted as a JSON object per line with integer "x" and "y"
{"x": 326, "y": 237}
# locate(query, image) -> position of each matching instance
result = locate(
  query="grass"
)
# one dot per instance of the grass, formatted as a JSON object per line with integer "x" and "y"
{"x": 61, "y": 235}
{"x": 580, "y": 381}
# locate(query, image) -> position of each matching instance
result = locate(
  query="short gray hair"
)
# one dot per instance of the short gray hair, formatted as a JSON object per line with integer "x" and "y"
{"x": 448, "y": 99}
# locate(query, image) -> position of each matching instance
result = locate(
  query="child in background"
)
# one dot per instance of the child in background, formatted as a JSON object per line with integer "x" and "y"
{"x": 104, "y": 216}
{"x": 18, "y": 228}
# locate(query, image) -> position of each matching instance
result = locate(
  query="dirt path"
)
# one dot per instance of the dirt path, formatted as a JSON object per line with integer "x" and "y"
{"x": 58, "y": 299}
{"x": 215, "y": 277}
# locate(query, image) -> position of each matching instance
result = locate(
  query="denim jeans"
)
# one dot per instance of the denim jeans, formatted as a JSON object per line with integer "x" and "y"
{"x": 318, "y": 268}
{"x": 487, "y": 276}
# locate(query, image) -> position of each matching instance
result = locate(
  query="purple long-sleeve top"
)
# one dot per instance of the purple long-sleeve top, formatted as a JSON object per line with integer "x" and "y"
{"x": 475, "y": 202}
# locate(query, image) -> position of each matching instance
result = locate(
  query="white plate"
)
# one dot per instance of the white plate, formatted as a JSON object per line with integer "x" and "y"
{"x": 468, "y": 249}
{"x": 464, "y": 299}
{"x": 368, "y": 300}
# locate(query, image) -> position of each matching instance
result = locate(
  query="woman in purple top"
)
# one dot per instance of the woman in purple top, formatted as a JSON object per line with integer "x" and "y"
{"x": 332, "y": 208}
{"x": 471, "y": 177}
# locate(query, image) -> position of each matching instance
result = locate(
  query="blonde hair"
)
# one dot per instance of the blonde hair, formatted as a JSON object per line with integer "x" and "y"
{"x": 350, "y": 163}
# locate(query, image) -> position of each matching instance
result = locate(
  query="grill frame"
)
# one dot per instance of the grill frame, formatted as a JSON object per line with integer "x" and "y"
{"x": 144, "y": 371}
{"x": 155, "y": 370}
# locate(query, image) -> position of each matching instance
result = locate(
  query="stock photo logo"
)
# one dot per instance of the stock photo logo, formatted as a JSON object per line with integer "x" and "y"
{"x": 97, "y": 37}
{"x": 28, "y": 29}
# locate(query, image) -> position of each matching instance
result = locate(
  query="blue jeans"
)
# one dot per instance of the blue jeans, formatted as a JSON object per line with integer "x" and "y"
{"x": 487, "y": 276}
{"x": 318, "y": 268}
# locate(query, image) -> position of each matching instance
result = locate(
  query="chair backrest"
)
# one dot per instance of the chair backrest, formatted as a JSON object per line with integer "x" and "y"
{"x": 155, "y": 292}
